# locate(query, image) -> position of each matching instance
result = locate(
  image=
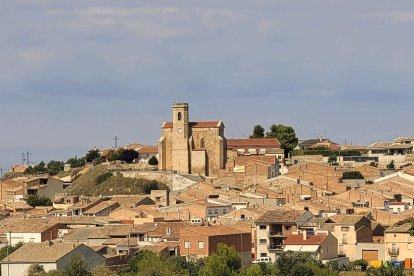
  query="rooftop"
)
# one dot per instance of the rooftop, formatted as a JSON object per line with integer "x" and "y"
{"x": 253, "y": 142}
{"x": 280, "y": 216}
{"x": 312, "y": 240}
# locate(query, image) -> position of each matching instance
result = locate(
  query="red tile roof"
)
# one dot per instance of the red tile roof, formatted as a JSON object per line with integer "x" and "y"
{"x": 196, "y": 124}
{"x": 253, "y": 142}
{"x": 298, "y": 240}
{"x": 148, "y": 149}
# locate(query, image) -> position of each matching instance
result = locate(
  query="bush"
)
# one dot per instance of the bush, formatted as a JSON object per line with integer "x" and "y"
{"x": 352, "y": 175}
{"x": 35, "y": 200}
{"x": 153, "y": 161}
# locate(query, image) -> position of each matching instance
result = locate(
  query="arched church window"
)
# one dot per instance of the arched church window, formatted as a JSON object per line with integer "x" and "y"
{"x": 202, "y": 143}
{"x": 179, "y": 116}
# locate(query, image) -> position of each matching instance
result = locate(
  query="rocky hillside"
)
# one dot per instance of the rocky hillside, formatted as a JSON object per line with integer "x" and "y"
{"x": 97, "y": 181}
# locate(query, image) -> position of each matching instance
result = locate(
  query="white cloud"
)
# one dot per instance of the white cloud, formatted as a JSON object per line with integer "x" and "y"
{"x": 35, "y": 56}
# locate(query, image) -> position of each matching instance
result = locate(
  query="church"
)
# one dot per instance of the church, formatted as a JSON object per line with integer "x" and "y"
{"x": 191, "y": 147}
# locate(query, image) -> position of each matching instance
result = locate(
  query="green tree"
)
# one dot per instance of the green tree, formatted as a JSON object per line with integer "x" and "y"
{"x": 153, "y": 161}
{"x": 253, "y": 270}
{"x": 36, "y": 270}
{"x": 127, "y": 155}
{"x": 287, "y": 261}
{"x": 35, "y": 200}
{"x": 225, "y": 261}
{"x": 101, "y": 270}
{"x": 76, "y": 267}
{"x": 113, "y": 155}
{"x": 76, "y": 162}
{"x": 8, "y": 249}
{"x": 332, "y": 159}
{"x": 360, "y": 264}
{"x": 352, "y": 175}
{"x": 391, "y": 165}
{"x": 370, "y": 216}
{"x": 149, "y": 263}
{"x": 258, "y": 132}
{"x": 286, "y": 136}
{"x": 55, "y": 167}
{"x": 92, "y": 155}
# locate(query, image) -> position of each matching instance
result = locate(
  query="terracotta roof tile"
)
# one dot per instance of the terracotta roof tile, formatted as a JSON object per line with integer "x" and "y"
{"x": 253, "y": 142}
{"x": 312, "y": 240}
{"x": 280, "y": 216}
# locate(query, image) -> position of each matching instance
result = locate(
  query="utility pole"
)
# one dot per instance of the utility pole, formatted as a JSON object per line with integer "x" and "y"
{"x": 27, "y": 157}
{"x": 23, "y": 158}
{"x": 116, "y": 139}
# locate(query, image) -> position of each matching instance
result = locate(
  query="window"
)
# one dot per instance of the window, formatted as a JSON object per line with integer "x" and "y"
{"x": 224, "y": 211}
{"x": 345, "y": 229}
{"x": 202, "y": 143}
{"x": 287, "y": 228}
{"x": 215, "y": 211}
{"x": 186, "y": 244}
{"x": 263, "y": 254}
{"x": 179, "y": 116}
{"x": 262, "y": 227}
{"x": 210, "y": 211}
{"x": 262, "y": 241}
{"x": 242, "y": 216}
{"x": 200, "y": 244}
{"x": 168, "y": 231}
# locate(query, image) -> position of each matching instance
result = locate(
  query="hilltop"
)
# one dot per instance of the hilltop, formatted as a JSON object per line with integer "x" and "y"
{"x": 98, "y": 181}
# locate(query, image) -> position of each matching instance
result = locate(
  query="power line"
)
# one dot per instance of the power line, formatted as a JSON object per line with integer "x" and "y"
{"x": 116, "y": 139}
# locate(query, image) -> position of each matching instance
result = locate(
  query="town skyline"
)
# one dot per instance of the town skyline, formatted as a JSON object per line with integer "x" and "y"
{"x": 245, "y": 64}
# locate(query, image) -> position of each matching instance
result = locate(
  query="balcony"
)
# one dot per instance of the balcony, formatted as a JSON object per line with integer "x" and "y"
{"x": 393, "y": 251}
{"x": 275, "y": 247}
{"x": 344, "y": 241}
{"x": 276, "y": 234}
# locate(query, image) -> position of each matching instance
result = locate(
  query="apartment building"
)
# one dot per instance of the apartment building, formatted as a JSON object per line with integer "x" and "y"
{"x": 399, "y": 241}
{"x": 274, "y": 227}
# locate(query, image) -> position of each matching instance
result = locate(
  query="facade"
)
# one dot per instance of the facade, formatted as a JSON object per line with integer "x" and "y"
{"x": 274, "y": 227}
{"x": 52, "y": 256}
{"x": 399, "y": 242}
{"x": 191, "y": 147}
{"x": 322, "y": 246}
{"x": 350, "y": 230}
{"x": 202, "y": 241}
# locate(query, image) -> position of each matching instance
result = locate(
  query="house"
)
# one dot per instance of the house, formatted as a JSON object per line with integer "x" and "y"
{"x": 101, "y": 209}
{"x": 322, "y": 246}
{"x": 274, "y": 227}
{"x": 83, "y": 205}
{"x": 11, "y": 190}
{"x": 15, "y": 206}
{"x": 207, "y": 211}
{"x": 44, "y": 186}
{"x": 399, "y": 241}
{"x": 254, "y": 146}
{"x": 29, "y": 230}
{"x": 202, "y": 241}
{"x": 52, "y": 256}
{"x": 146, "y": 153}
{"x": 349, "y": 230}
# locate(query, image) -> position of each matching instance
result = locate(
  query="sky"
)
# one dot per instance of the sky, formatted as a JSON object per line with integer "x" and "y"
{"x": 76, "y": 73}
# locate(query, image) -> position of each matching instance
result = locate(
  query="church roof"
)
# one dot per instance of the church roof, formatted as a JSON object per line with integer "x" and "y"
{"x": 253, "y": 142}
{"x": 196, "y": 124}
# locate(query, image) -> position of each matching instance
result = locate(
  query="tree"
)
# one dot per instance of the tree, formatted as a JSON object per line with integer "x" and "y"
{"x": 92, "y": 155}
{"x": 76, "y": 162}
{"x": 55, "y": 167}
{"x": 35, "y": 200}
{"x": 385, "y": 271}
{"x": 286, "y": 136}
{"x": 370, "y": 216}
{"x": 391, "y": 165}
{"x": 287, "y": 261}
{"x": 112, "y": 155}
{"x": 332, "y": 159}
{"x": 253, "y": 270}
{"x": 101, "y": 270}
{"x": 226, "y": 261}
{"x": 149, "y": 263}
{"x": 36, "y": 270}
{"x": 359, "y": 265}
{"x": 76, "y": 267}
{"x": 127, "y": 155}
{"x": 352, "y": 175}
{"x": 258, "y": 132}
{"x": 8, "y": 249}
{"x": 153, "y": 161}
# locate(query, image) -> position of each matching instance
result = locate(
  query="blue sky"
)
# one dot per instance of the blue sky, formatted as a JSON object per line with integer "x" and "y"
{"x": 74, "y": 74}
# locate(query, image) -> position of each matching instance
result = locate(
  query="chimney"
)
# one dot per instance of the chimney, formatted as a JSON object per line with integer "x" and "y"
{"x": 306, "y": 209}
{"x": 48, "y": 243}
{"x": 304, "y": 235}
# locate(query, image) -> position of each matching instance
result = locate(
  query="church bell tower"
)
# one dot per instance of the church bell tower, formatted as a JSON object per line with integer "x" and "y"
{"x": 180, "y": 135}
